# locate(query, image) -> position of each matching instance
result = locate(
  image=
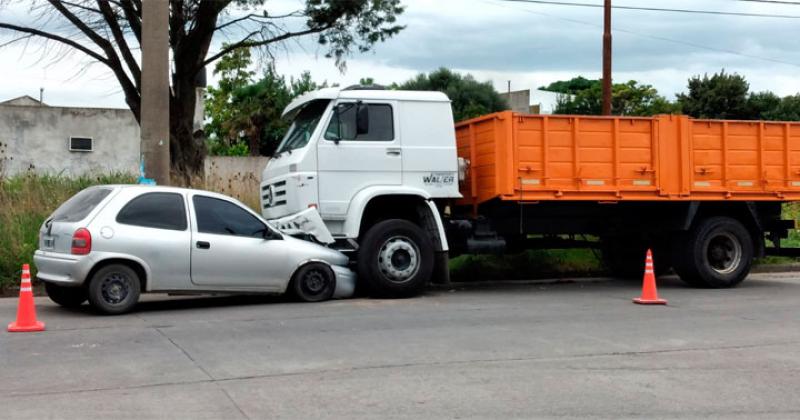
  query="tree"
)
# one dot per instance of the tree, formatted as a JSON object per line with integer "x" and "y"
{"x": 245, "y": 115}
{"x": 722, "y": 96}
{"x": 234, "y": 73}
{"x": 760, "y": 104}
{"x": 582, "y": 96}
{"x": 109, "y": 32}
{"x": 469, "y": 97}
{"x": 571, "y": 86}
{"x": 788, "y": 109}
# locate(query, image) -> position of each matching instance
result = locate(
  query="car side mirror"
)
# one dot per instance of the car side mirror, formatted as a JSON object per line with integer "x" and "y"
{"x": 362, "y": 119}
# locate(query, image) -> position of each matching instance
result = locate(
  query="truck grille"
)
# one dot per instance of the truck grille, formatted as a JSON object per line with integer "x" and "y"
{"x": 273, "y": 195}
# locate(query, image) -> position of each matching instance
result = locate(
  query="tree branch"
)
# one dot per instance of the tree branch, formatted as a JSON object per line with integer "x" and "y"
{"x": 119, "y": 37}
{"x": 257, "y": 18}
{"x": 56, "y": 38}
{"x": 247, "y": 43}
{"x": 133, "y": 17}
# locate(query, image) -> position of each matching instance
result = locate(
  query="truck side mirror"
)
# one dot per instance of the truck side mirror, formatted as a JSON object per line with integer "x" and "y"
{"x": 362, "y": 119}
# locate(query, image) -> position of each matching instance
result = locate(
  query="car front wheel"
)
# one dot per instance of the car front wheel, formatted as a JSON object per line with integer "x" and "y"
{"x": 314, "y": 282}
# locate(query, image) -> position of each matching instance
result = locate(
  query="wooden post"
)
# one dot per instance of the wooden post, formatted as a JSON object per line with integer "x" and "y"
{"x": 607, "y": 58}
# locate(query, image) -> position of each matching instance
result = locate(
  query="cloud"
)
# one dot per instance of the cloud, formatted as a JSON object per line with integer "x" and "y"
{"x": 531, "y": 45}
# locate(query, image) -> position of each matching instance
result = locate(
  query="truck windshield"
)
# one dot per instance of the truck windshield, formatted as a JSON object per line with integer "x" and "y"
{"x": 303, "y": 126}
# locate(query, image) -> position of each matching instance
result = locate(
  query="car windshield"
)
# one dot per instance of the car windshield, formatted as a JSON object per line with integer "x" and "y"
{"x": 303, "y": 126}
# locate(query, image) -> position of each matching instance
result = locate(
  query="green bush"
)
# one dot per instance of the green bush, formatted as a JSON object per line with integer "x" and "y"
{"x": 25, "y": 202}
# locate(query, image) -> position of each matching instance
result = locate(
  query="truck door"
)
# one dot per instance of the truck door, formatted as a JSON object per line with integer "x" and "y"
{"x": 360, "y": 148}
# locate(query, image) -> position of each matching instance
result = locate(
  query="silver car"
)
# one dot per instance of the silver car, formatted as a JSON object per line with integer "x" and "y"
{"x": 110, "y": 243}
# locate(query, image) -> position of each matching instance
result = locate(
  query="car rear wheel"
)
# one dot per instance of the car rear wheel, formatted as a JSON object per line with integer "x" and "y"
{"x": 395, "y": 259}
{"x": 114, "y": 289}
{"x": 314, "y": 282}
{"x": 68, "y": 297}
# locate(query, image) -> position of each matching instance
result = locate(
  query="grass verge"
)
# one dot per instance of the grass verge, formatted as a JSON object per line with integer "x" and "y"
{"x": 25, "y": 202}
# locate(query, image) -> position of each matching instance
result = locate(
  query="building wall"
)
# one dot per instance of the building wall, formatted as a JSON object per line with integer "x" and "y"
{"x": 36, "y": 139}
{"x": 518, "y": 101}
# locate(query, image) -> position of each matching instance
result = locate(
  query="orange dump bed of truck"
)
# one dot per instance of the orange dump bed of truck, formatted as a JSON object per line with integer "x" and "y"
{"x": 523, "y": 157}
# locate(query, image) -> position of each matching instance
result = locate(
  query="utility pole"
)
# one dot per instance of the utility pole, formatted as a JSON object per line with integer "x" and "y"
{"x": 607, "y": 58}
{"x": 155, "y": 90}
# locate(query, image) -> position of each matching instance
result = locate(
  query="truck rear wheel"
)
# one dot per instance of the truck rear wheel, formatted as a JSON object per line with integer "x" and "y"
{"x": 395, "y": 259}
{"x": 716, "y": 253}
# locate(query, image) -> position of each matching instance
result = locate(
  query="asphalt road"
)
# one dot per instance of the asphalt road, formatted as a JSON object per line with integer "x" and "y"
{"x": 502, "y": 351}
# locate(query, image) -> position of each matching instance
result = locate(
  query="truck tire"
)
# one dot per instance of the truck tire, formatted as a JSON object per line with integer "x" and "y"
{"x": 395, "y": 259}
{"x": 114, "y": 289}
{"x": 717, "y": 253}
{"x": 68, "y": 297}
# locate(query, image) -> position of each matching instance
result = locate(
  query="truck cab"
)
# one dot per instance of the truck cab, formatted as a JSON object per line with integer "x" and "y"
{"x": 362, "y": 170}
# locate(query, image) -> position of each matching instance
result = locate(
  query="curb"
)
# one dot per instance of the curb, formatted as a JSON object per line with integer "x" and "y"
{"x": 776, "y": 268}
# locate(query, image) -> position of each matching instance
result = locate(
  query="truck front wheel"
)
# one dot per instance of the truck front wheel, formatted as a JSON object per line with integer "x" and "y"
{"x": 395, "y": 259}
{"x": 716, "y": 253}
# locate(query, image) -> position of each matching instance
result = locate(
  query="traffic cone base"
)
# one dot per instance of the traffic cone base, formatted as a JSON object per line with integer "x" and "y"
{"x": 641, "y": 301}
{"x": 649, "y": 292}
{"x": 26, "y": 310}
{"x": 36, "y": 326}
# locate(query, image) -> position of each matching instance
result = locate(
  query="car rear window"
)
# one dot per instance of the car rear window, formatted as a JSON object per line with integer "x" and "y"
{"x": 155, "y": 210}
{"x": 80, "y": 205}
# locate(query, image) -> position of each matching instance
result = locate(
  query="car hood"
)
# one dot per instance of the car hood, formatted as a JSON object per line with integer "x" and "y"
{"x": 314, "y": 251}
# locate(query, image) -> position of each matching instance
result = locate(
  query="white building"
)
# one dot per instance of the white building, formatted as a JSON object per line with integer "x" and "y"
{"x": 71, "y": 141}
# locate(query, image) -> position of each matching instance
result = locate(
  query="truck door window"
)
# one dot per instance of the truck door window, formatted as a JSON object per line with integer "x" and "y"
{"x": 225, "y": 218}
{"x": 343, "y": 123}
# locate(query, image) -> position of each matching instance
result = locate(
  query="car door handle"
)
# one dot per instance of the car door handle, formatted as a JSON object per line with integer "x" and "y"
{"x": 203, "y": 245}
{"x": 392, "y": 151}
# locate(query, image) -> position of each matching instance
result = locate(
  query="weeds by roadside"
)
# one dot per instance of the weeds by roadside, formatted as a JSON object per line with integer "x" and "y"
{"x": 25, "y": 201}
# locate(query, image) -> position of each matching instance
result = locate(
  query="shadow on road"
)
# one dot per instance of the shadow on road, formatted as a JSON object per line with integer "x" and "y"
{"x": 160, "y": 302}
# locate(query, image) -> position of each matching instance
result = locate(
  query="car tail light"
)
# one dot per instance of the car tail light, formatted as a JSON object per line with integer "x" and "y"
{"x": 81, "y": 242}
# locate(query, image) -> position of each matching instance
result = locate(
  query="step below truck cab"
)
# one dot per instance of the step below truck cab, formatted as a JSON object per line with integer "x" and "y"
{"x": 362, "y": 171}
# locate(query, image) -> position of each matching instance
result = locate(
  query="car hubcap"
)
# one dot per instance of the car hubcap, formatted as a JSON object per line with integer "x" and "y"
{"x": 314, "y": 281}
{"x": 724, "y": 253}
{"x": 398, "y": 259}
{"x": 115, "y": 288}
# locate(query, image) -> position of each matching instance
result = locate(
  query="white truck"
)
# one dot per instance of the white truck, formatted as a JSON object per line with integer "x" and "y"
{"x": 364, "y": 171}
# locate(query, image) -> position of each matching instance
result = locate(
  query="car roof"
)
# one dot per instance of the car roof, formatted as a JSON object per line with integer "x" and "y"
{"x": 162, "y": 188}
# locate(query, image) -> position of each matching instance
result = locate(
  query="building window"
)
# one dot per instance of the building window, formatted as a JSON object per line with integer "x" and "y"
{"x": 81, "y": 144}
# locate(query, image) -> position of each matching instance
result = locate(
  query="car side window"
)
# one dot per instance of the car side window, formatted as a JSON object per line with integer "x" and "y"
{"x": 225, "y": 218}
{"x": 155, "y": 210}
{"x": 343, "y": 123}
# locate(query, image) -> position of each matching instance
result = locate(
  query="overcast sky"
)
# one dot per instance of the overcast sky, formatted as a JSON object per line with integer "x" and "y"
{"x": 529, "y": 44}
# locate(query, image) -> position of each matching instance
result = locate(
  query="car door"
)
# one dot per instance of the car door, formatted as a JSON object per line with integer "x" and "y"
{"x": 152, "y": 226}
{"x": 349, "y": 162}
{"x": 230, "y": 249}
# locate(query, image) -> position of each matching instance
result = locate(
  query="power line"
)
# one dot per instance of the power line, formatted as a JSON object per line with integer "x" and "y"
{"x": 789, "y": 3}
{"x": 656, "y": 9}
{"x": 655, "y": 37}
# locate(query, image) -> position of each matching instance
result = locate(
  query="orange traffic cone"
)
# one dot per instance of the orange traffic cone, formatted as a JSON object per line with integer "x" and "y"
{"x": 26, "y": 311}
{"x": 649, "y": 292}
